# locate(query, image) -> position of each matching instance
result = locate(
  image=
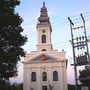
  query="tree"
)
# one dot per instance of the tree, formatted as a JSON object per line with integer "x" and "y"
{"x": 72, "y": 87}
{"x": 11, "y": 40}
{"x": 85, "y": 77}
{"x": 14, "y": 86}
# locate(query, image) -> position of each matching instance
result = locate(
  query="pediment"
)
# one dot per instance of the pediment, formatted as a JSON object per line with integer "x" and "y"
{"x": 43, "y": 57}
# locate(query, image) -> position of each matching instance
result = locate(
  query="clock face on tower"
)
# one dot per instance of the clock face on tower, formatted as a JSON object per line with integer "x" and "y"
{"x": 43, "y": 31}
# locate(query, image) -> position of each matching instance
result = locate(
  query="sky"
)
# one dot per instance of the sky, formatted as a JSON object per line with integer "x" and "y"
{"x": 58, "y": 11}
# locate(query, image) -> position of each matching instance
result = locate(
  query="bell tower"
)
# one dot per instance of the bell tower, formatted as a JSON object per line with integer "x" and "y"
{"x": 44, "y": 31}
{"x": 44, "y": 69}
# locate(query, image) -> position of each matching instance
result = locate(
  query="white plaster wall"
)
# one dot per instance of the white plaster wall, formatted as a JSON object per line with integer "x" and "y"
{"x": 41, "y": 45}
{"x": 44, "y": 46}
{"x": 47, "y": 33}
{"x": 49, "y": 68}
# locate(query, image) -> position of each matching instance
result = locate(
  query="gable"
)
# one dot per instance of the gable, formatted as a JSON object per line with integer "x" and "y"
{"x": 43, "y": 57}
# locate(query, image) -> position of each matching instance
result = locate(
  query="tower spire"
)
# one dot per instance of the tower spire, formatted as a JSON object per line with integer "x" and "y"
{"x": 43, "y": 14}
{"x": 43, "y": 4}
{"x": 44, "y": 30}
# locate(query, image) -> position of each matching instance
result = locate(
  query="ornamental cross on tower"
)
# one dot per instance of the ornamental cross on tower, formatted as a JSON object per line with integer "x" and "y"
{"x": 43, "y": 4}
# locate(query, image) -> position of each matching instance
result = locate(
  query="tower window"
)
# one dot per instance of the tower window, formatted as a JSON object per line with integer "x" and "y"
{"x": 43, "y": 38}
{"x": 44, "y": 76}
{"x": 43, "y": 49}
{"x": 33, "y": 76}
{"x": 55, "y": 76}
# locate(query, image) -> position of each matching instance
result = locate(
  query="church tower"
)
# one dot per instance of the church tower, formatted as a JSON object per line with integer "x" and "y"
{"x": 44, "y": 30}
{"x": 44, "y": 69}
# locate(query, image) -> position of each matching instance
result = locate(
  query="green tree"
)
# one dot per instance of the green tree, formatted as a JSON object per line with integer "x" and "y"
{"x": 16, "y": 86}
{"x": 72, "y": 87}
{"x": 85, "y": 77}
{"x": 11, "y": 40}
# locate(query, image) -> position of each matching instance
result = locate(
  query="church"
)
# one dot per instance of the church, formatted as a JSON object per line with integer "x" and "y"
{"x": 46, "y": 68}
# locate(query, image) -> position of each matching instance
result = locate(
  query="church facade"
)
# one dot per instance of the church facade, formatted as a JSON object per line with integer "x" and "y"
{"x": 44, "y": 69}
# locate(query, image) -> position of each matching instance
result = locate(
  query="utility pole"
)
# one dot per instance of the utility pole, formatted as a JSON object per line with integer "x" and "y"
{"x": 79, "y": 47}
{"x": 75, "y": 68}
{"x": 86, "y": 42}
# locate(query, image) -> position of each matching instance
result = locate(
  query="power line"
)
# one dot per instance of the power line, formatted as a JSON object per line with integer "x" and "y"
{"x": 74, "y": 18}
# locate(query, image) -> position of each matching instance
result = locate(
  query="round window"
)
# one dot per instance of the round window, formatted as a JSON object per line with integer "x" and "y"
{"x": 43, "y": 31}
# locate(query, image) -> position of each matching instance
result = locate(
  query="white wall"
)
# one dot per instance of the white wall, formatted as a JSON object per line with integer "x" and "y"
{"x": 61, "y": 84}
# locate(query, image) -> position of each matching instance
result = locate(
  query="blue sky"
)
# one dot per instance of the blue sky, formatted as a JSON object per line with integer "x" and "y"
{"x": 58, "y": 11}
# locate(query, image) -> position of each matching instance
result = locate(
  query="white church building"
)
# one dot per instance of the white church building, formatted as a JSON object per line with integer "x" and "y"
{"x": 45, "y": 69}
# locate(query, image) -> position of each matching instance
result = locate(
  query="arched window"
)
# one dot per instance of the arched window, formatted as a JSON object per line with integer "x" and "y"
{"x": 44, "y": 87}
{"x": 55, "y": 76}
{"x": 43, "y": 38}
{"x": 43, "y": 49}
{"x": 44, "y": 76}
{"x": 33, "y": 76}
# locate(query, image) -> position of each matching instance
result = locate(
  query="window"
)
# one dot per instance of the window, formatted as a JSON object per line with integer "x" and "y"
{"x": 44, "y": 87}
{"x": 55, "y": 76}
{"x": 43, "y": 49}
{"x": 43, "y": 38}
{"x": 33, "y": 76}
{"x": 44, "y": 76}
